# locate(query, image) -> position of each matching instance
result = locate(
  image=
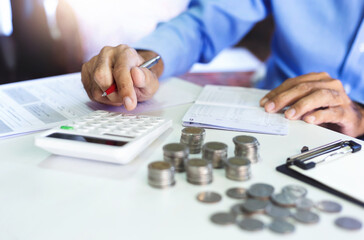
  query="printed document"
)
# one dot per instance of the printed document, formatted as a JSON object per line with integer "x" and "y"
{"x": 45, "y": 103}
{"x": 234, "y": 108}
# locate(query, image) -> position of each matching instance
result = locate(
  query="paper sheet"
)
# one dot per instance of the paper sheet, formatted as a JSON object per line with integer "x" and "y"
{"x": 234, "y": 108}
{"x": 45, "y": 103}
{"x": 344, "y": 174}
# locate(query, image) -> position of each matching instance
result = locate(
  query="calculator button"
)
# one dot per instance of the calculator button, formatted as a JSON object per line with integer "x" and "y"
{"x": 131, "y": 134}
{"x": 85, "y": 130}
{"x": 94, "y": 124}
{"x": 100, "y": 113}
{"x": 129, "y": 116}
{"x": 148, "y": 125}
{"x": 103, "y": 120}
{"x": 67, "y": 127}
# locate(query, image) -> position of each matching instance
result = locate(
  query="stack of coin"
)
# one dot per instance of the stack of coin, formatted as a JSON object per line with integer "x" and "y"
{"x": 199, "y": 171}
{"x": 176, "y": 154}
{"x": 160, "y": 174}
{"x": 193, "y": 137}
{"x": 238, "y": 169}
{"x": 216, "y": 153}
{"x": 247, "y": 146}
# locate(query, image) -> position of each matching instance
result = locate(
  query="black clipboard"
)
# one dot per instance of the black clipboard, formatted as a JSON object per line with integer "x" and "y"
{"x": 305, "y": 161}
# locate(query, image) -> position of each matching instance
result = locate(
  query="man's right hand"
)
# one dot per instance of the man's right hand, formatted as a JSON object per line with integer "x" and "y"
{"x": 119, "y": 65}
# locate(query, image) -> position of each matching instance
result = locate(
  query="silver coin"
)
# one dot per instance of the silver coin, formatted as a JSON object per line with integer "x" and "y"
{"x": 281, "y": 226}
{"x": 245, "y": 140}
{"x": 215, "y": 146}
{"x": 254, "y": 206}
{"x": 251, "y": 224}
{"x": 223, "y": 218}
{"x": 304, "y": 203}
{"x": 305, "y": 216}
{"x": 193, "y": 131}
{"x": 276, "y": 211}
{"x": 328, "y": 206}
{"x": 209, "y": 197}
{"x": 261, "y": 190}
{"x": 237, "y": 209}
{"x": 294, "y": 191}
{"x": 237, "y": 193}
{"x": 348, "y": 223}
{"x": 283, "y": 200}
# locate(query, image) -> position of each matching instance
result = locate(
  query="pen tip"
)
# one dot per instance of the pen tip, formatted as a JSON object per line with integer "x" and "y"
{"x": 104, "y": 94}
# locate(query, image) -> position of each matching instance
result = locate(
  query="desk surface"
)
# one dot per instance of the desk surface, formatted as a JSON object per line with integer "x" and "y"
{"x": 45, "y": 196}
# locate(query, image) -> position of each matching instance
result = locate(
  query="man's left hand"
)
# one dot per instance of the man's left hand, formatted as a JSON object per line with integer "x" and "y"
{"x": 319, "y": 99}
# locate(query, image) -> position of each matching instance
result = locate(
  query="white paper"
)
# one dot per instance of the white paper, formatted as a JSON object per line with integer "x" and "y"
{"x": 344, "y": 174}
{"x": 40, "y": 104}
{"x": 45, "y": 103}
{"x": 234, "y": 108}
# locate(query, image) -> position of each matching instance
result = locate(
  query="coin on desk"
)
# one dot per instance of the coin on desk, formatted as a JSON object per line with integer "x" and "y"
{"x": 237, "y": 209}
{"x": 283, "y": 200}
{"x": 305, "y": 216}
{"x": 328, "y": 206}
{"x": 304, "y": 203}
{"x": 237, "y": 193}
{"x": 294, "y": 191}
{"x": 281, "y": 226}
{"x": 209, "y": 197}
{"x": 223, "y": 218}
{"x": 251, "y": 224}
{"x": 276, "y": 211}
{"x": 348, "y": 223}
{"x": 260, "y": 190}
{"x": 252, "y": 206}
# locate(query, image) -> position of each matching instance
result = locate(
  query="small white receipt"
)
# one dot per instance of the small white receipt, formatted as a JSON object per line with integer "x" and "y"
{"x": 40, "y": 104}
{"x": 49, "y": 102}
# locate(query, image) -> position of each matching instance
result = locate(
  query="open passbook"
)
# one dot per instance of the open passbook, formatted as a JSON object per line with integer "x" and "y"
{"x": 234, "y": 108}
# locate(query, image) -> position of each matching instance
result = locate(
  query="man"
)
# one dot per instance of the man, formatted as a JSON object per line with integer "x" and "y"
{"x": 315, "y": 43}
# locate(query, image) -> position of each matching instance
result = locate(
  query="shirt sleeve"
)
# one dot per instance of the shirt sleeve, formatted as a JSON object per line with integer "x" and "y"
{"x": 202, "y": 31}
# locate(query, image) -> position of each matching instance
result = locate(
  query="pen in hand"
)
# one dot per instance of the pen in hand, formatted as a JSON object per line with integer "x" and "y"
{"x": 147, "y": 64}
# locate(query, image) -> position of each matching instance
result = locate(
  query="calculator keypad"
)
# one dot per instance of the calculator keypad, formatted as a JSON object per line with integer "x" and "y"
{"x": 112, "y": 123}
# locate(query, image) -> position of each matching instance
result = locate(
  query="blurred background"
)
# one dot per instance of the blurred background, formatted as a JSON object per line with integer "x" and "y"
{"x": 40, "y": 38}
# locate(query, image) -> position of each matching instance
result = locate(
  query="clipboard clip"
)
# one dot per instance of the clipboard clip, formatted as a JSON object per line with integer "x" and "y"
{"x": 310, "y": 158}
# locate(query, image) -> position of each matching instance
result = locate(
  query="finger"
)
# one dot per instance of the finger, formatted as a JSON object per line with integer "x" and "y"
{"x": 302, "y": 89}
{"x": 92, "y": 89}
{"x": 145, "y": 83}
{"x": 86, "y": 79}
{"x": 127, "y": 58}
{"x": 292, "y": 82}
{"x": 103, "y": 68}
{"x": 319, "y": 99}
{"x": 328, "y": 115}
{"x": 139, "y": 77}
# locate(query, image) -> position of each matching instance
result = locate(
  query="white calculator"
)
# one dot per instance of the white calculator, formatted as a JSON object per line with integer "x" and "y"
{"x": 104, "y": 136}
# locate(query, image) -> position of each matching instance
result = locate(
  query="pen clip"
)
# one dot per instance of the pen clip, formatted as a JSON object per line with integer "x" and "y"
{"x": 309, "y": 159}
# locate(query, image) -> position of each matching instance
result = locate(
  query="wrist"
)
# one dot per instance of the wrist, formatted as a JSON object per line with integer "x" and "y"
{"x": 361, "y": 116}
{"x": 147, "y": 55}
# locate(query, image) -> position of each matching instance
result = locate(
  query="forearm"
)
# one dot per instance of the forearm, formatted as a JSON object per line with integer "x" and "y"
{"x": 201, "y": 32}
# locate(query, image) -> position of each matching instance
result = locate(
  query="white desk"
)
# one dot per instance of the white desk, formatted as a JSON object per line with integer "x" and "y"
{"x": 43, "y": 196}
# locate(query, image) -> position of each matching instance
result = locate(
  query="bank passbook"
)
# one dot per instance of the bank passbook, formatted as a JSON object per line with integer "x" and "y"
{"x": 104, "y": 136}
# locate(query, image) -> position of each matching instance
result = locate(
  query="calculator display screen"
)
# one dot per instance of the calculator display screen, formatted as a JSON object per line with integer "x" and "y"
{"x": 80, "y": 138}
